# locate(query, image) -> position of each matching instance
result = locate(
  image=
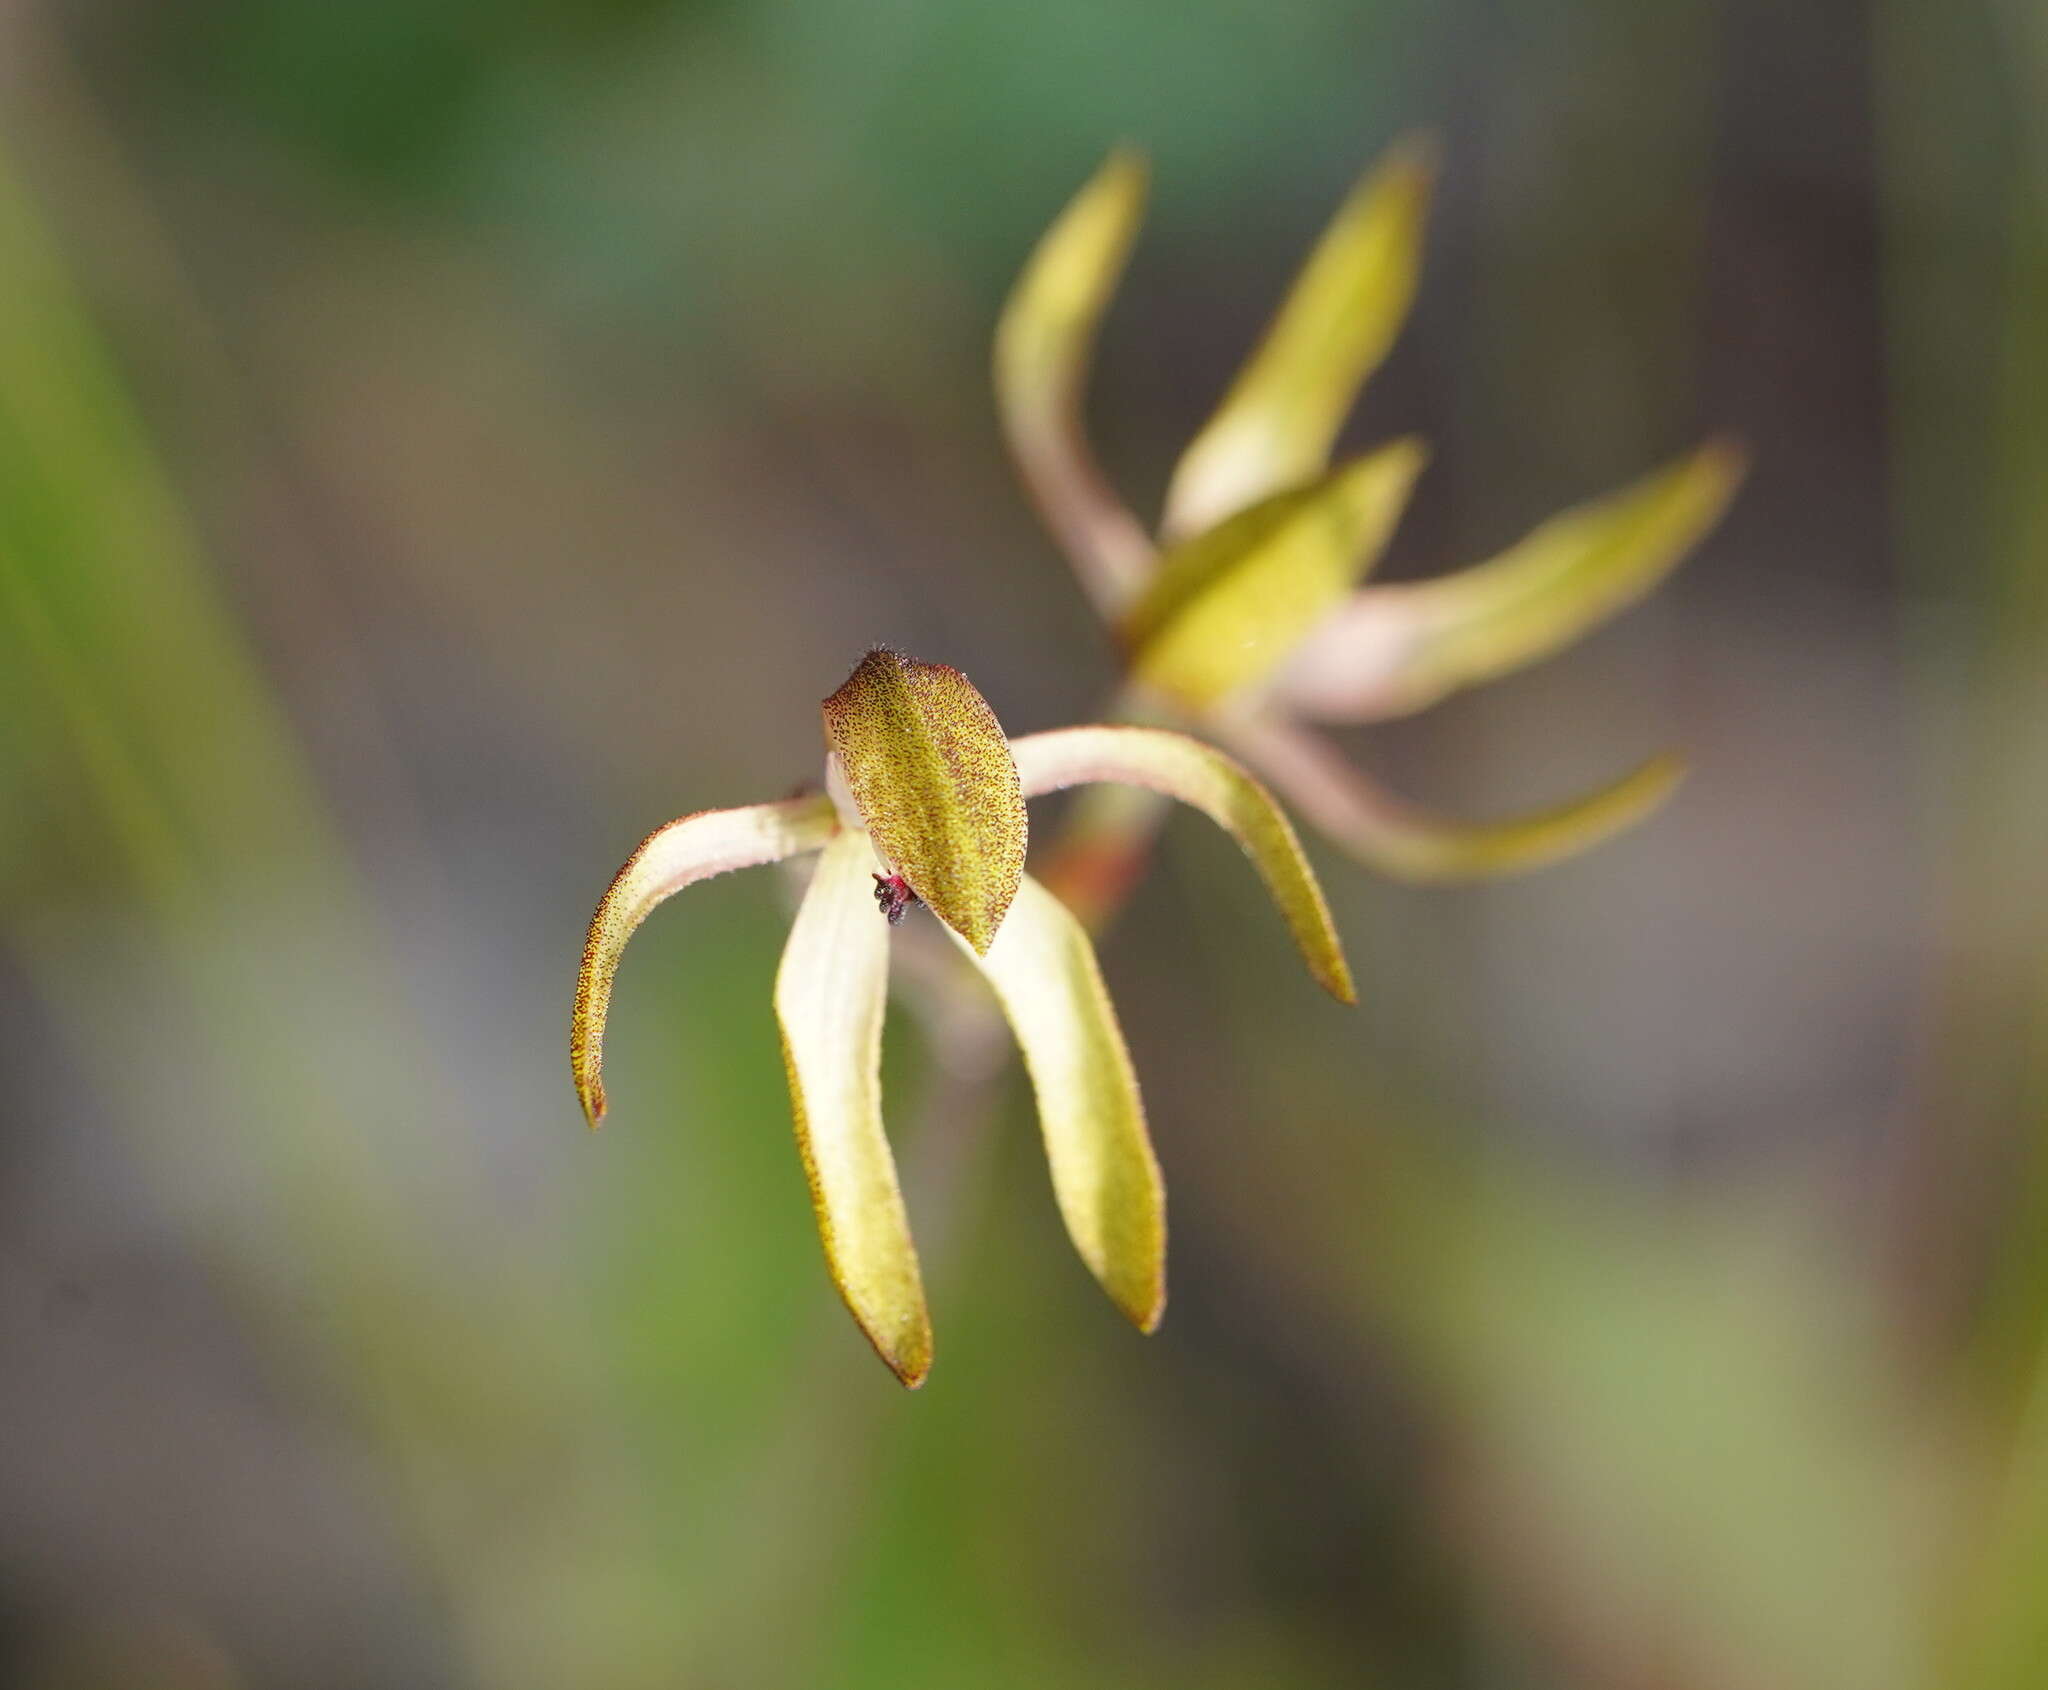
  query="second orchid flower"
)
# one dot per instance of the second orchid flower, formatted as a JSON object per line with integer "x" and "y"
{"x": 1244, "y": 618}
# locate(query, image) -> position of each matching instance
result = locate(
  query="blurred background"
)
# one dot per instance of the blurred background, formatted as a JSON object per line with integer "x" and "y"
{"x": 440, "y": 440}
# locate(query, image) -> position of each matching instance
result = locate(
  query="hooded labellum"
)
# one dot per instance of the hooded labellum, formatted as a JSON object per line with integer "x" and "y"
{"x": 921, "y": 775}
{"x": 934, "y": 784}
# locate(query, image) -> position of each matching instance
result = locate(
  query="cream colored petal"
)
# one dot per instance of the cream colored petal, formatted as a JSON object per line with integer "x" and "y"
{"x": 829, "y": 995}
{"x": 1276, "y": 426}
{"x": 1104, "y": 1175}
{"x": 1393, "y": 650}
{"x": 689, "y": 849}
{"x": 1405, "y": 842}
{"x": 1228, "y": 607}
{"x": 930, "y": 772}
{"x": 1043, "y": 346}
{"x": 1213, "y": 783}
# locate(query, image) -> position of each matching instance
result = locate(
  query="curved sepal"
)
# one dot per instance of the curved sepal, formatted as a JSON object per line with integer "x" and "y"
{"x": 1393, "y": 650}
{"x": 1405, "y": 842}
{"x": 1104, "y": 1175}
{"x": 829, "y": 997}
{"x": 1277, "y": 424}
{"x": 1227, "y": 607}
{"x": 1043, "y": 346}
{"x": 689, "y": 849}
{"x": 931, "y": 774}
{"x": 1201, "y": 776}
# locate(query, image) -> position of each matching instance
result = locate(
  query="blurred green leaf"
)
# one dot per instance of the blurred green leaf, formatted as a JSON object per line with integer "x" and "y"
{"x": 1689, "y": 1438}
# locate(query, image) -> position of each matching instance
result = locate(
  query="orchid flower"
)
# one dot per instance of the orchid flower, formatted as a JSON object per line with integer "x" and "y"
{"x": 924, "y": 804}
{"x": 1244, "y": 617}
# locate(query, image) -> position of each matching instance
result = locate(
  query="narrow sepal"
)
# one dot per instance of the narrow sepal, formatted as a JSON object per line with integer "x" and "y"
{"x": 1228, "y": 607}
{"x": 1406, "y": 842}
{"x": 689, "y": 849}
{"x": 1393, "y": 650}
{"x": 1201, "y": 776}
{"x": 931, "y": 774}
{"x": 1276, "y": 426}
{"x": 1104, "y": 1175}
{"x": 1043, "y": 346}
{"x": 829, "y": 998}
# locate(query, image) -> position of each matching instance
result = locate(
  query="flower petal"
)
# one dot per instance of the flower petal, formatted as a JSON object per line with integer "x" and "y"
{"x": 931, "y": 773}
{"x": 1394, "y": 650}
{"x": 688, "y": 849}
{"x": 1227, "y": 607}
{"x": 1276, "y": 426}
{"x": 1407, "y": 843}
{"x": 1104, "y": 1174}
{"x": 1043, "y": 346}
{"x": 1204, "y": 777}
{"x": 829, "y": 995}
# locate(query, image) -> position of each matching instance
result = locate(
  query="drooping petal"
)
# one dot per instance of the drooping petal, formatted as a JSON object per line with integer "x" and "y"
{"x": 1213, "y": 783}
{"x": 1043, "y": 346}
{"x": 689, "y": 849}
{"x": 1393, "y": 650}
{"x": 829, "y": 995}
{"x": 931, "y": 773}
{"x": 1408, "y": 843}
{"x": 1276, "y": 426}
{"x": 1228, "y": 606}
{"x": 1104, "y": 1174}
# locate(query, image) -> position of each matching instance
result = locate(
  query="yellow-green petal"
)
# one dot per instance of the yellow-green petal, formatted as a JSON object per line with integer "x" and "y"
{"x": 688, "y": 849}
{"x": 1276, "y": 426}
{"x": 1405, "y": 842}
{"x": 1043, "y": 346}
{"x": 1104, "y": 1175}
{"x": 1201, "y": 776}
{"x": 1393, "y": 650}
{"x": 829, "y": 995}
{"x": 931, "y": 774}
{"x": 1229, "y": 606}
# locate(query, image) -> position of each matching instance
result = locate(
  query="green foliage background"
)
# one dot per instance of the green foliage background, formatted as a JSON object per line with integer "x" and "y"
{"x": 438, "y": 441}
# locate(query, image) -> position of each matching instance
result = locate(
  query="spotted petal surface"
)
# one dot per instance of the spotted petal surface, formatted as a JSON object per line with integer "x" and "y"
{"x": 931, "y": 774}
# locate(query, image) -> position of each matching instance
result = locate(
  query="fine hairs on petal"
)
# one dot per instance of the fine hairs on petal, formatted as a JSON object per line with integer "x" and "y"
{"x": 930, "y": 770}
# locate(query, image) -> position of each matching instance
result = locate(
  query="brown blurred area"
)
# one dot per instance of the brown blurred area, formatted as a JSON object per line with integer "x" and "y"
{"x": 502, "y": 425}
